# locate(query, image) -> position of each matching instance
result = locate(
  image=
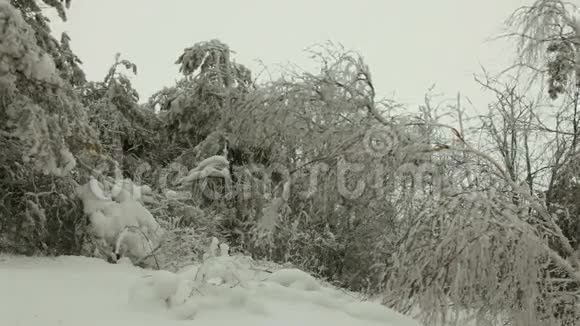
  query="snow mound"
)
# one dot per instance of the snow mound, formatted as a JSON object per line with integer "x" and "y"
{"x": 295, "y": 278}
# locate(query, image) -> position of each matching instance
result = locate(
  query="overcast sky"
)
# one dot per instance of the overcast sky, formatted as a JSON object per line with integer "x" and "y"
{"x": 409, "y": 44}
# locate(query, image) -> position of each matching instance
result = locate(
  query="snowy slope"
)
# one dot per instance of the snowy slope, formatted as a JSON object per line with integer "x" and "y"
{"x": 83, "y": 291}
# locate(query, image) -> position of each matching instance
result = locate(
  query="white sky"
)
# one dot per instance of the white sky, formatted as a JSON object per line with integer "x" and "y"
{"x": 409, "y": 44}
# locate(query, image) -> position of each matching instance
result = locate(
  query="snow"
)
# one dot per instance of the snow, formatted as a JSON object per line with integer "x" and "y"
{"x": 18, "y": 49}
{"x": 294, "y": 277}
{"x": 119, "y": 218}
{"x": 216, "y": 166}
{"x": 85, "y": 291}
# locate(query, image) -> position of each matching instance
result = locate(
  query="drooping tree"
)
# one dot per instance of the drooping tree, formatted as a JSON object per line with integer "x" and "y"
{"x": 288, "y": 142}
{"x": 66, "y": 62}
{"x": 212, "y": 84}
{"x": 129, "y": 132}
{"x": 487, "y": 249}
{"x": 547, "y": 34}
{"x": 44, "y": 129}
{"x": 314, "y": 127}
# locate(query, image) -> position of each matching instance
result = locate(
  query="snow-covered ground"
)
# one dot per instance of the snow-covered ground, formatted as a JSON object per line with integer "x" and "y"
{"x": 83, "y": 291}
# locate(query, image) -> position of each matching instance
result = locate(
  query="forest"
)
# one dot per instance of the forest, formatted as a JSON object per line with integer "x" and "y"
{"x": 438, "y": 209}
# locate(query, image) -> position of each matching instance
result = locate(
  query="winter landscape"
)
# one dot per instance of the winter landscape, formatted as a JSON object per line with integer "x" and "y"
{"x": 408, "y": 164}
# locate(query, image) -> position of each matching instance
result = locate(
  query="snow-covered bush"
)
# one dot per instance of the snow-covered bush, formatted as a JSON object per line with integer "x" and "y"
{"x": 119, "y": 221}
{"x": 187, "y": 229}
{"x": 43, "y": 217}
{"x": 216, "y": 281}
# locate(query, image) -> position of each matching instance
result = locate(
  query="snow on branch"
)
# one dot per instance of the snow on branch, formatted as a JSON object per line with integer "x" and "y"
{"x": 214, "y": 166}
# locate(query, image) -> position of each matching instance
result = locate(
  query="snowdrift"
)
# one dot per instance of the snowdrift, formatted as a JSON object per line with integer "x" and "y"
{"x": 86, "y": 291}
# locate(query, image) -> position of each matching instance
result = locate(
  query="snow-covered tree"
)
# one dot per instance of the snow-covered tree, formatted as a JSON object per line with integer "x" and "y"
{"x": 488, "y": 247}
{"x": 548, "y": 33}
{"x": 44, "y": 129}
{"x": 128, "y": 131}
